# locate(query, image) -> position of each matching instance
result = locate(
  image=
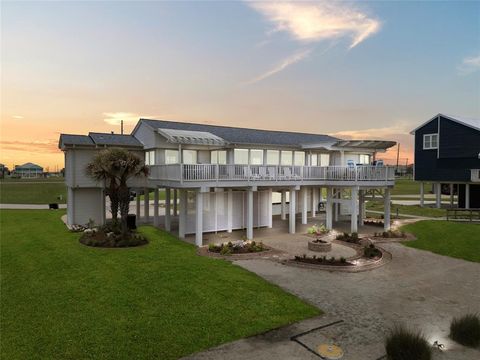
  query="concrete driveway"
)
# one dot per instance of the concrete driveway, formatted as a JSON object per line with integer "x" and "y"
{"x": 417, "y": 288}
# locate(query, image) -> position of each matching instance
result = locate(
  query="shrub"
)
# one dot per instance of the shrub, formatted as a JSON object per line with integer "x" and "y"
{"x": 465, "y": 330}
{"x": 371, "y": 252}
{"x": 352, "y": 238}
{"x": 225, "y": 250}
{"x": 317, "y": 230}
{"x": 403, "y": 344}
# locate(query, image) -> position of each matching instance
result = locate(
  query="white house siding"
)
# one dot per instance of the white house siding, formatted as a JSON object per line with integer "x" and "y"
{"x": 215, "y": 211}
{"x": 84, "y": 204}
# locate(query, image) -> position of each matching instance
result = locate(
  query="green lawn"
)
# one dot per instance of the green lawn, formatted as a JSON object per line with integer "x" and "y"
{"x": 458, "y": 240}
{"x": 42, "y": 191}
{"x": 63, "y": 300}
{"x": 407, "y": 209}
{"x": 408, "y": 187}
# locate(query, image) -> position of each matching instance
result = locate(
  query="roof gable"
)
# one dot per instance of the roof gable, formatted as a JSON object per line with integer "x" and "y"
{"x": 469, "y": 122}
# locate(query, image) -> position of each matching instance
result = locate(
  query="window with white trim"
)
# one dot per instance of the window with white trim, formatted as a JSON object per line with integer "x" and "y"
{"x": 430, "y": 141}
{"x": 189, "y": 156}
{"x": 218, "y": 157}
{"x": 240, "y": 156}
{"x": 150, "y": 157}
{"x": 171, "y": 156}
{"x": 256, "y": 157}
{"x": 324, "y": 160}
{"x": 299, "y": 158}
{"x": 286, "y": 157}
{"x": 273, "y": 157}
{"x": 364, "y": 159}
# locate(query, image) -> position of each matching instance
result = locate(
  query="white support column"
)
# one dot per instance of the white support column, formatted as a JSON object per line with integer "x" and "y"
{"x": 314, "y": 202}
{"x": 199, "y": 218}
{"x": 422, "y": 194}
{"x": 175, "y": 200}
{"x": 229, "y": 210}
{"x": 292, "y": 210}
{"x": 386, "y": 207}
{"x": 182, "y": 221}
{"x": 168, "y": 221}
{"x": 270, "y": 210}
{"x": 354, "y": 212}
{"x": 304, "y": 205}
{"x": 467, "y": 196}
{"x": 336, "y": 205}
{"x": 284, "y": 200}
{"x": 361, "y": 207}
{"x": 155, "y": 207}
{"x": 329, "y": 209}
{"x": 137, "y": 206}
{"x": 249, "y": 214}
{"x": 451, "y": 195}
{"x": 438, "y": 195}
{"x": 146, "y": 205}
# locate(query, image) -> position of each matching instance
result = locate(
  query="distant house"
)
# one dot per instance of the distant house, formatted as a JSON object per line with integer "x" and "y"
{"x": 28, "y": 170}
{"x": 3, "y": 171}
{"x": 447, "y": 154}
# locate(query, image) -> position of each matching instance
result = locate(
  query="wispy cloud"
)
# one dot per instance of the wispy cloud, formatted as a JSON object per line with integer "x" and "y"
{"x": 18, "y": 117}
{"x": 311, "y": 22}
{"x": 314, "y": 22}
{"x": 42, "y": 146}
{"x": 292, "y": 59}
{"x": 469, "y": 65}
{"x": 114, "y": 118}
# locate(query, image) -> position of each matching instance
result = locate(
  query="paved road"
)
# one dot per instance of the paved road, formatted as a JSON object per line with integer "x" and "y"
{"x": 417, "y": 288}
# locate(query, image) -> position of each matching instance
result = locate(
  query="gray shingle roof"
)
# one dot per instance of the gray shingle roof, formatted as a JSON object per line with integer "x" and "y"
{"x": 114, "y": 139}
{"x": 68, "y": 139}
{"x": 236, "y": 135}
{"x": 99, "y": 139}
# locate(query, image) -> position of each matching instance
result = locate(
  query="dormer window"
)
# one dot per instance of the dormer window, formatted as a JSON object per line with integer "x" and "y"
{"x": 430, "y": 141}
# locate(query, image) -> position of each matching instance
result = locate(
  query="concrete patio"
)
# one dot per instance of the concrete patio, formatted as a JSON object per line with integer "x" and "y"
{"x": 417, "y": 288}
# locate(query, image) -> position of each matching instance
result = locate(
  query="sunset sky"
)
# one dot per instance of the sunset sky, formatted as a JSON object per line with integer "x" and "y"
{"x": 351, "y": 69}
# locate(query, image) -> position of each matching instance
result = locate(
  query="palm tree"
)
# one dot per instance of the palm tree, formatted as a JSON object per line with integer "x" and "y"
{"x": 116, "y": 166}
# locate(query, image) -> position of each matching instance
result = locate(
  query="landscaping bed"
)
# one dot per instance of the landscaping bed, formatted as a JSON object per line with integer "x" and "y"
{"x": 111, "y": 236}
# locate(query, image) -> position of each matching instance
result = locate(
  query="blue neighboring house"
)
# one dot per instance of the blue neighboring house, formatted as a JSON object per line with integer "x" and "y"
{"x": 447, "y": 154}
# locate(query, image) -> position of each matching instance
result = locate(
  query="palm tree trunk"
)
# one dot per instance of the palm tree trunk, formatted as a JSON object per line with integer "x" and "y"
{"x": 124, "y": 204}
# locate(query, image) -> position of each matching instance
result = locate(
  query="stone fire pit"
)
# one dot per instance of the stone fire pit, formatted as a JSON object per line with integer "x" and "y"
{"x": 319, "y": 245}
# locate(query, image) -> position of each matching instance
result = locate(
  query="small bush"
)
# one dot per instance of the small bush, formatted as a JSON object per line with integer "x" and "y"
{"x": 371, "y": 252}
{"x": 352, "y": 238}
{"x": 403, "y": 344}
{"x": 466, "y": 330}
{"x": 317, "y": 230}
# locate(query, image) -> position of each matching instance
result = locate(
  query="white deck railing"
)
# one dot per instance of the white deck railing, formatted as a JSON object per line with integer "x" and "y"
{"x": 214, "y": 172}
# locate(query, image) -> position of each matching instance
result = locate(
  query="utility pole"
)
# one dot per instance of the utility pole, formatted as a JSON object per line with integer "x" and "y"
{"x": 398, "y": 154}
{"x": 121, "y": 127}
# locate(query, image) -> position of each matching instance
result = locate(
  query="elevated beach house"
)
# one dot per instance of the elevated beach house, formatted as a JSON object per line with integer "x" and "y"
{"x": 223, "y": 178}
{"x": 447, "y": 154}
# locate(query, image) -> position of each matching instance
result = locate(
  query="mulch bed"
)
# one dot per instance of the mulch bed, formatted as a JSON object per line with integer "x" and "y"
{"x": 101, "y": 240}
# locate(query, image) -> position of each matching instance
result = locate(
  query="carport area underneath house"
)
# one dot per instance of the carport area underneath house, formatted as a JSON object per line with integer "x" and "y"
{"x": 279, "y": 230}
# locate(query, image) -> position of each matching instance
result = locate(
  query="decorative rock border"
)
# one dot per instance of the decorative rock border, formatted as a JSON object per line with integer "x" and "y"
{"x": 368, "y": 264}
{"x": 320, "y": 246}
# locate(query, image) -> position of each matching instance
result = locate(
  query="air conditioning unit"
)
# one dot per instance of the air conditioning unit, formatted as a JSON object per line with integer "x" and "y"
{"x": 475, "y": 175}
